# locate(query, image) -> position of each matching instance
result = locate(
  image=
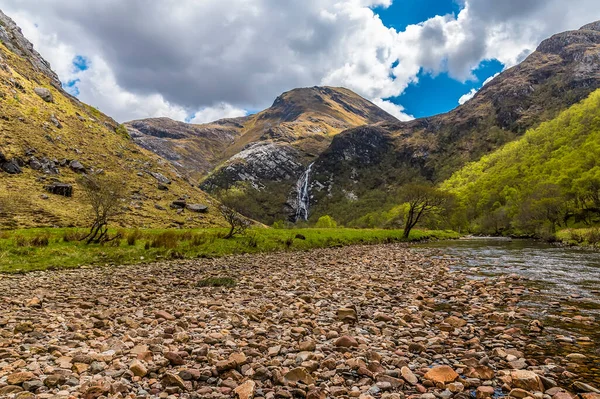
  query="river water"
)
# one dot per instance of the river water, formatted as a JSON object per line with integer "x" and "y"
{"x": 563, "y": 289}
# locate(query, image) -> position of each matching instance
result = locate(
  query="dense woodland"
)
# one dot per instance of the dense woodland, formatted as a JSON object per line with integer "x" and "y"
{"x": 548, "y": 179}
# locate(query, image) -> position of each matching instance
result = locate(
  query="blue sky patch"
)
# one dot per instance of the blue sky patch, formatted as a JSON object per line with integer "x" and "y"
{"x": 434, "y": 95}
{"x": 81, "y": 63}
{"x": 71, "y": 87}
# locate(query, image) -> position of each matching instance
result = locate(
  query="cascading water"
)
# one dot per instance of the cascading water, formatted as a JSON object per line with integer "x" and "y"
{"x": 302, "y": 188}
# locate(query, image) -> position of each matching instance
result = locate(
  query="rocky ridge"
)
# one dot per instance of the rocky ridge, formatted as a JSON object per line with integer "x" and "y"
{"x": 48, "y": 139}
{"x": 363, "y": 322}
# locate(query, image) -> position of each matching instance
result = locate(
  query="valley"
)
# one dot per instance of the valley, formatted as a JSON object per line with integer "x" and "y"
{"x": 319, "y": 248}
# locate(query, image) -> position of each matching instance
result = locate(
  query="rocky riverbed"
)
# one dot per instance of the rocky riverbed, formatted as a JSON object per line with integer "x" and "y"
{"x": 377, "y": 321}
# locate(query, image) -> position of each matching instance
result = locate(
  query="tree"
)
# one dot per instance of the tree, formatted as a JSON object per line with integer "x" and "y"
{"x": 326, "y": 222}
{"x": 104, "y": 194}
{"x": 237, "y": 223}
{"x": 421, "y": 199}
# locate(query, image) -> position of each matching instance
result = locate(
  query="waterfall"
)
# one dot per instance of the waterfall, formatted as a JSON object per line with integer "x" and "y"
{"x": 302, "y": 188}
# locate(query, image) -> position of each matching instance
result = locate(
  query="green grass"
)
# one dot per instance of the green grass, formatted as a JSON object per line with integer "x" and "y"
{"x": 217, "y": 282}
{"x": 20, "y": 250}
{"x": 587, "y": 237}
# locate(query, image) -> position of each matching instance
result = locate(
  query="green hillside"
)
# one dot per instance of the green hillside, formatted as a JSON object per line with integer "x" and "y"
{"x": 548, "y": 179}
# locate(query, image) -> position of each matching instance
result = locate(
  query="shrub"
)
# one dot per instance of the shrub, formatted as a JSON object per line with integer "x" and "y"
{"x": 69, "y": 236}
{"x": 133, "y": 236}
{"x": 168, "y": 239}
{"x": 39, "y": 241}
{"x": 326, "y": 222}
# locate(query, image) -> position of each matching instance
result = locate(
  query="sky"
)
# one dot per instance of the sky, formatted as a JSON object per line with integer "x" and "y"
{"x": 199, "y": 61}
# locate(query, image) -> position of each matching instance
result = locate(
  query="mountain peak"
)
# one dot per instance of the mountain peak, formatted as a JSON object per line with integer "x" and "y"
{"x": 333, "y": 101}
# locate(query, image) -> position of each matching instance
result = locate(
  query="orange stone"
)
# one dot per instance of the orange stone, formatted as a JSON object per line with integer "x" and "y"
{"x": 441, "y": 374}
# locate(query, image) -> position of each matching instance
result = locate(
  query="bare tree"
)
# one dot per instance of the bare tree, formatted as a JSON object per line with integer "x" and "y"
{"x": 104, "y": 194}
{"x": 421, "y": 199}
{"x": 237, "y": 223}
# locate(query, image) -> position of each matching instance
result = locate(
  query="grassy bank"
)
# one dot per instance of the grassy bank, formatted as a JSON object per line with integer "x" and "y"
{"x": 589, "y": 237}
{"x": 39, "y": 249}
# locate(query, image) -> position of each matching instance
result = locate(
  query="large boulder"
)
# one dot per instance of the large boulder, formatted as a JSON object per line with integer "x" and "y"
{"x": 441, "y": 374}
{"x": 77, "y": 167}
{"x": 66, "y": 190}
{"x": 160, "y": 177}
{"x": 44, "y": 93}
{"x": 198, "y": 208}
{"x": 11, "y": 167}
{"x": 527, "y": 380}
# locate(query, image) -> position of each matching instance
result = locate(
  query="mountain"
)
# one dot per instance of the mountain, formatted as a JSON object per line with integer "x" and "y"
{"x": 548, "y": 178}
{"x": 361, "y": 170}
{"x": 264, "y": 154}
{"x": 48, "y": 139}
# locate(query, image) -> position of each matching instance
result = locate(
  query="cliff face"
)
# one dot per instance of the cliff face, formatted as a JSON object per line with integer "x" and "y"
{"x": 48, "y": 139}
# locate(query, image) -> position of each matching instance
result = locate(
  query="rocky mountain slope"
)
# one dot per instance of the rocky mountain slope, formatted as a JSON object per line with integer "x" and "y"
{"x": 367, "y": 164}
{"x": 263, "y": 154}
{"x": 48, "y": 139}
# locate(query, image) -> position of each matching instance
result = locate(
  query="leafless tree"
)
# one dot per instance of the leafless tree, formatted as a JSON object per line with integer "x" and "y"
{"x": 237, "y": 223}
{"x": 104, "y": 194}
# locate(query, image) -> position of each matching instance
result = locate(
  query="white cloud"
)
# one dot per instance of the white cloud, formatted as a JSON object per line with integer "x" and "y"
{"x": 466, "y": 97}
{"x": 219, "y": 111}
{"x": 165, "y": 58}
{"x": 393, "y": 109}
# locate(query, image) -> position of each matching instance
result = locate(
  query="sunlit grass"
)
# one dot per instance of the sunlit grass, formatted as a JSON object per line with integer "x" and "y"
{"x": 64, "y": 250}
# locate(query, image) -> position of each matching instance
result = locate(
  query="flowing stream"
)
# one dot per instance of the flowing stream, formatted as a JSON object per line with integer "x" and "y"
{"x": 564, "y": 285}
{"x": 303, "y": 195}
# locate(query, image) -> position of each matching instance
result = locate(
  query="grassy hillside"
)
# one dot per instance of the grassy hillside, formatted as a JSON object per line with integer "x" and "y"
{"x": 44, "y": 136}
{"x": 549, "y": 178}
{"x": 364, "y": 168}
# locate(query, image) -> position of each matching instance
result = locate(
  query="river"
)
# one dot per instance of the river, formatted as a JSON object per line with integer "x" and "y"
{"x": 563, "y": 290}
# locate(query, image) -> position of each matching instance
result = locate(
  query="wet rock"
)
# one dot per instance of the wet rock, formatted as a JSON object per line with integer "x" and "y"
{"x": 527, "y": 380}
{"x": 484, "y": 392}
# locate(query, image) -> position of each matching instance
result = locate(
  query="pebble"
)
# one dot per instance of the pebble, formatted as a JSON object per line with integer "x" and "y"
{"x": 372, "y": 322}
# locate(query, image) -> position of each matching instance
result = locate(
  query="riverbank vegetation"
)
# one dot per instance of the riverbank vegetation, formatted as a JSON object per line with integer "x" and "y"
{"x": 546, "y": 181}
{"x": 39, "y": 249}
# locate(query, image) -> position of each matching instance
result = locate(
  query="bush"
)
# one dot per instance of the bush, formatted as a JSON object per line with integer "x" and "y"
{"x": 69, "y": 236}
{"x": 133, "y": 237}
{"x": 326, "y": 222}
{"x": 37, "y": 241}
{"x": 168, "y": 239}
